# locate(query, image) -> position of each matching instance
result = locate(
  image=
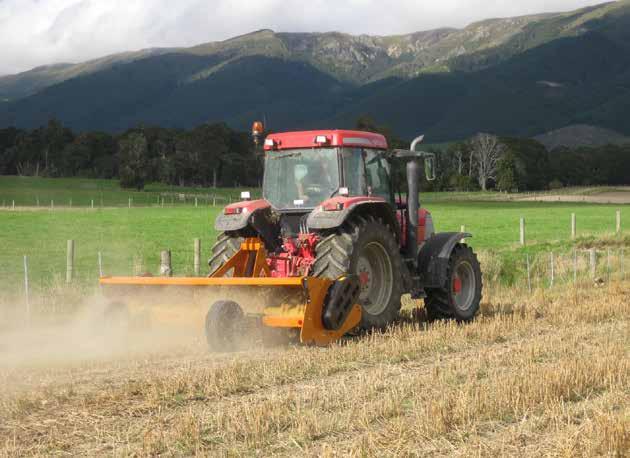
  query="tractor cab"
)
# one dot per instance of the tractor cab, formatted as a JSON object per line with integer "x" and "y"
{"x": 305, "y": 169}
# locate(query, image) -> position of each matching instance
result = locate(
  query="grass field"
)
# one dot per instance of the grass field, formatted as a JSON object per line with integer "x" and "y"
{"x": 130, "y": 239}
{"x": 80, "y": 192}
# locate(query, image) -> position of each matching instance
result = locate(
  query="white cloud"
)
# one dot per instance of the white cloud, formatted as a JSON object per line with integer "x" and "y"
{"x": 39, "y": 32}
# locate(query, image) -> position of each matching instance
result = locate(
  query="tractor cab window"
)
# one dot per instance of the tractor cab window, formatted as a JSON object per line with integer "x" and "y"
{"x": 366, "y": 172}
{"x": 378, "y": 174}
{"x": 301, "y": 178}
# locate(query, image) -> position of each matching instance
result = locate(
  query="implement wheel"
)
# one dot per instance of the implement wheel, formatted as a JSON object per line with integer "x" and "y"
{"x": 224, "y": 323}
{"x": 461, "y": 296}
{"x": 367, "y": 248}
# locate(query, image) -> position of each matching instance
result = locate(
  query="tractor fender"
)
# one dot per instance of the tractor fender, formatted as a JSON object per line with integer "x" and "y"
{"x": 334, "y": 212}
{"x": 433, "y": 258}
{"x": 237, "y": 216}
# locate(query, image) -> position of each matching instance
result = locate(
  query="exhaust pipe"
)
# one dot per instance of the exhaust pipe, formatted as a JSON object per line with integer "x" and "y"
{"x": 413, "y": 208}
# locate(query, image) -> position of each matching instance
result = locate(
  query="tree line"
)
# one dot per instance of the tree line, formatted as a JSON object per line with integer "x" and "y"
{"x": 511, "y": 164}
{"x": 215, "y": 155}
{"x": 207, "y": 155}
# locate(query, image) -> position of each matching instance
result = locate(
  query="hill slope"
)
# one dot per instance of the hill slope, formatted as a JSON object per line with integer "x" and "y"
{"x": 581, "y": 135}
{"x": 520, "y": 76}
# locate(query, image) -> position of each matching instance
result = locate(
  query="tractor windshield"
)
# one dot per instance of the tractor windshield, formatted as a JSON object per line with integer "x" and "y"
{"x": 301, "y": 178}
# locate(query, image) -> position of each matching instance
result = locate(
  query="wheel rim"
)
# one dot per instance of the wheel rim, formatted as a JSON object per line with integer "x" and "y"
{"x": 374, "y": 268}
{"x": 464, "y": 285}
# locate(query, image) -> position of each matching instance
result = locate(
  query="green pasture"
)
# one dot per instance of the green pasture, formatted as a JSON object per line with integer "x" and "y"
{"x": 130, "y": 239}
{"x": 83, "y": 192}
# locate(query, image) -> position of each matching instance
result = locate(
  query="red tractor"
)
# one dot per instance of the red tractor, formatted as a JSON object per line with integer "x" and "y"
{"x": 328, "y": 249}
{"x": 329, "y": 210}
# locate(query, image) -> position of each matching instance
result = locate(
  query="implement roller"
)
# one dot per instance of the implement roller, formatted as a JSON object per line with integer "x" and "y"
{"x": 329, "y": 249}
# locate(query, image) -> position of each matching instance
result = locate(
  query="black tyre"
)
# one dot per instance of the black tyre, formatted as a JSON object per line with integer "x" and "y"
{"x": 223, "y": 327}
{"x": 461, "y": 296}
{"x": 226, "y": 246}
{"x": 366, "y": 247}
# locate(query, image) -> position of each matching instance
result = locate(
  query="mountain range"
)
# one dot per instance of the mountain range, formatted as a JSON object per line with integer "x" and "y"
{"x": 514, "y": 76}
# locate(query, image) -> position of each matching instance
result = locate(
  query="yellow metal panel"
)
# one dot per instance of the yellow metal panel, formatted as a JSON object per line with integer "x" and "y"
{"x": 202, "y": 281}
{"x": 313, "y": 331}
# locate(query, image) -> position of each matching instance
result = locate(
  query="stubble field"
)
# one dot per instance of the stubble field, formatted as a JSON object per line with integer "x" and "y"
{"x": 544, "y": 374}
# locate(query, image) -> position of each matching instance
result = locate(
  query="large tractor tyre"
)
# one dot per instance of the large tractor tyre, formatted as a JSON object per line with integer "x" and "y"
{"x": 224, "y": 325}
{"x": 226, "y": 246}
{"x": 461, "y": 297}
{"x": 366, "y": 247}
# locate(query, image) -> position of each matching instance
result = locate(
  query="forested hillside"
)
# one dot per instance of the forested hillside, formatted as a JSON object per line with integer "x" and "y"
{"x": 515, "y": 77}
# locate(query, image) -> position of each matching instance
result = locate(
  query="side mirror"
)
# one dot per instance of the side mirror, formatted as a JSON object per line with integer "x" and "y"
{"x": 429, "y": 166}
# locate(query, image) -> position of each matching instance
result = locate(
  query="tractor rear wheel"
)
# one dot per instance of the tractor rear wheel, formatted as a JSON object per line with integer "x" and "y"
{"x": 366, "y": 247}
{"x": 461, "y": 296}
{"x": 226, "y": 246}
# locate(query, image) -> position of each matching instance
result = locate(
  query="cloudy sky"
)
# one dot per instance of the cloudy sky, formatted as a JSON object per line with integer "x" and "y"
{"x": 39, "y": 32}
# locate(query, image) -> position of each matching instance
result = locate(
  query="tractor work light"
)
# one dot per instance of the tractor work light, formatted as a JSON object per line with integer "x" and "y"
{"x": 233, "y": 210}
{"x": 257, "y": 128}
{"x": 345, "y": 192}
{"x": 246, "y": 195}
{"x": 270, "y": 143}
{"x": 321, "y": 139}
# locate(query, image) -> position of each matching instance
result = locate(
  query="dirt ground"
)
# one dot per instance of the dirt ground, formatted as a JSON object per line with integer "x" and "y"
{"x": 612, "y": 197}
{"x": 546, "y": 374}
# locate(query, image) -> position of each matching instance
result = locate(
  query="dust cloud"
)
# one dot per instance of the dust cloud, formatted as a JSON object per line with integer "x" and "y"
{"x": 167, "y": 322}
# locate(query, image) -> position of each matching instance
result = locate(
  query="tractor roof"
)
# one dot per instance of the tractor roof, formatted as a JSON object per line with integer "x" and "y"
{"x": 314, "y": 139}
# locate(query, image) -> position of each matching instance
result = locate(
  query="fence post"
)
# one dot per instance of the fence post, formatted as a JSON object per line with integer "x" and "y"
{"x": 37, "y": 200}
{"x": 214, "y": 200}
{"x": 522, "y": 227}
{"x": 166, "y": 269}
{"x": 130, "y": 202}
{"x": 100, "y": 264}
{"x": 26, "y": 293}
{"x": 195, "y": 202}
{"x": 197, "y": 256}
{"x": 52, "y": 204}
{"x": 618, "y": 225}
{"x": 573, "y": 227}
{"x": 13, "y": 205}
{"x": 593, "y": 261}
{"x": 69, "y": 261}
{"x": 92, "y": 204}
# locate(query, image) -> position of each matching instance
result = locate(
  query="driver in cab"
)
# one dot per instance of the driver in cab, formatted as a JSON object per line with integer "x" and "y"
{"x": 314, "y": 186}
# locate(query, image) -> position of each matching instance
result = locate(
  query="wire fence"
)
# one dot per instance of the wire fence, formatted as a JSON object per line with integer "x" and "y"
{"x": 118, "y": 200}
{"x": 529, "y": 271}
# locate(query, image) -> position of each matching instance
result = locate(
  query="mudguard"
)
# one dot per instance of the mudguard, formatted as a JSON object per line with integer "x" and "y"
{"x": 334, "y": 212}
{"x": 433, "y": 258}
{"x": 237, "y": 216}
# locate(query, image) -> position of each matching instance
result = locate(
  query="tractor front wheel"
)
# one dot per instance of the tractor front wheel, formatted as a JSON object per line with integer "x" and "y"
{"x": 461, "y": 296}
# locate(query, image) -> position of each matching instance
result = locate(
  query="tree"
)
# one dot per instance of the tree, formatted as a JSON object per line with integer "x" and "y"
{"x": 487, "y": 151}
{"x": 133, "y": 156}
{"x": 506, "y": 173}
